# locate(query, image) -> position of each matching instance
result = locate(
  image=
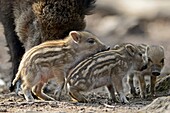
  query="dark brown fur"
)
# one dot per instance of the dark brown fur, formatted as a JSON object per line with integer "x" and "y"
{"x": 40, "y": 20}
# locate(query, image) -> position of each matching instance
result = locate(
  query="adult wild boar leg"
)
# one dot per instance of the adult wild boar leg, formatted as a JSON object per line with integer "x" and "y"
{"x": 15, "y": 47}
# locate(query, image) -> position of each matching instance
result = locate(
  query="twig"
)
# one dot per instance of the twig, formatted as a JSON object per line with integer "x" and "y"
{"x": 108, "y": 106}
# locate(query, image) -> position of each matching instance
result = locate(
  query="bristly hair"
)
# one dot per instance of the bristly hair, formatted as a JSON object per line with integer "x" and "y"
{"x": 86, "y": 6}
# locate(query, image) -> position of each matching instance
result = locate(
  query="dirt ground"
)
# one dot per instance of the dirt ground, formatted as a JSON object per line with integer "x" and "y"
{"x": 157, "y": 32}
{"x": 10, "y": 102}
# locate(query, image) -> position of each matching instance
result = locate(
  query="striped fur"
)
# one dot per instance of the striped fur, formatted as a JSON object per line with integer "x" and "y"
{"x": 52, "y": 59}
{"x": 104, "y": 69}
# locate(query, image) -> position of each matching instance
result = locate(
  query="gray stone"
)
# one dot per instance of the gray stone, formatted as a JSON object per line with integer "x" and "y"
{"x": 159, "y": 105}
{"x": 163, "y": 84}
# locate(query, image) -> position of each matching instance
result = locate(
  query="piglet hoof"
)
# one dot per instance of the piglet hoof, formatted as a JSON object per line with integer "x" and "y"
{"x": 57, "y": 97}
{"x": 50, "y": 99}
{"x": 130, "y": 96}
{"x": 74, "y": 101}
{"x": 124, "y": 100}
{"x": 114, "y": 101}
{"x": 30, "y": 99}
{"x": 83, "y": 101}
{"x": 153, "y": 95}
{"x": 143, "y": 95}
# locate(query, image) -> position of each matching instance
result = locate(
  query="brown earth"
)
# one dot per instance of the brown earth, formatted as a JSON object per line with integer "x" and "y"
{"x": 111, "y": 29}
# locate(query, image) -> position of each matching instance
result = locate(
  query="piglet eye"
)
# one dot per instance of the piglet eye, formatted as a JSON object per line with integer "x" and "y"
{"x": 149, "y": 59}
{"x": 162, "y": 61}
{"x": 91, "y": 40}
{"x": 140, "y": 54}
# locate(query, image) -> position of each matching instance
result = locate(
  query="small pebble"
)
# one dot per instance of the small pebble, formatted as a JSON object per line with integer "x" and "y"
{"x": 3, "y": 110}
{"x": 2, "y": 83}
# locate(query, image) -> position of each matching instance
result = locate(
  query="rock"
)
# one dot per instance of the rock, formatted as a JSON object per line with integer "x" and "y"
{"x": 163, "y": 84}
{"x": 3, "y": 86}
{"x": 2, "y": 83}
{"x": 159, "y": 105}
{"x": 137, "y": 8}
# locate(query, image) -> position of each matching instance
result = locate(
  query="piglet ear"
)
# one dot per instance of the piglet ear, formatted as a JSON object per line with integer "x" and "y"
{"x": 75, "y": 36}
{"x": 147, "y": 48}
{"x": 130, "y": 49}
{"x": 162, "y": 48}
{"x": 117, "y": 46}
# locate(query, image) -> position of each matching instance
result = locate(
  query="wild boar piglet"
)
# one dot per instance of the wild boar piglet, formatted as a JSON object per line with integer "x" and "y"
{"x": 155, "y": 57}
{"x": 104, "y": 69}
